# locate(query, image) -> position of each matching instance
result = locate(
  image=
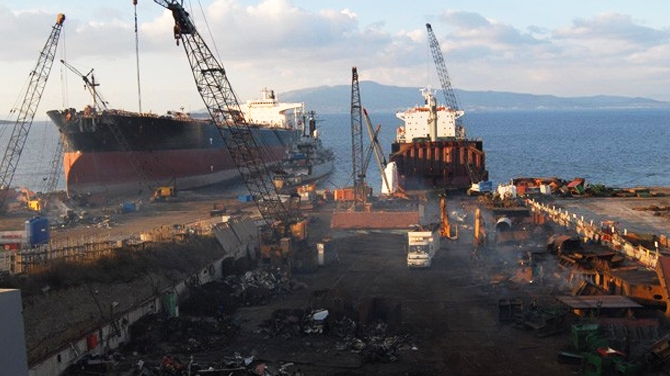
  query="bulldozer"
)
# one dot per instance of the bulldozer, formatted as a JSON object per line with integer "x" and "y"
{"x": 164, "y": 193}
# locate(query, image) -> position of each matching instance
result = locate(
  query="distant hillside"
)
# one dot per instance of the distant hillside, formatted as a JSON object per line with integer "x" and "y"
{"x": 382, "y": 98}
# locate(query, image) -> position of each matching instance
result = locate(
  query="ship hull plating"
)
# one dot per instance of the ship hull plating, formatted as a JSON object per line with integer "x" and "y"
{"x": 450, "y": 164}
{"x": 158, "y": 150}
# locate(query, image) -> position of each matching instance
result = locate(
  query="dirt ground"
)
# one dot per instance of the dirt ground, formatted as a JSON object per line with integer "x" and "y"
{"x": 444, "y": 320}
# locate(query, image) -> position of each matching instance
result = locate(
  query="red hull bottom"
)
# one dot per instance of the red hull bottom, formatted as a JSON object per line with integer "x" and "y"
{"x": 115, "y": 173}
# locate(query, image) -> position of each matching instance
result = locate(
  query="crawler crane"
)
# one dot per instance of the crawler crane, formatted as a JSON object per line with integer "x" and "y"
{"x": 477, "y": 177}
{"x": 38, "y": 80}
{"x": 287, "y": 228}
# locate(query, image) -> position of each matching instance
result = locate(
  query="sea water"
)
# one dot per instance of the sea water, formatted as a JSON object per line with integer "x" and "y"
{"x": 617, "y": 148}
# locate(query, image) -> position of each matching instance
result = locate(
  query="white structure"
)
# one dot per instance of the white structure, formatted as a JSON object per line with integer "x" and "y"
{"x": 391, "y": 173}
{"x": 268, "y": 111}
{"x": 421, "y": 248}
{"x": 428, "y": 121}
{"x": 13, "y": 358}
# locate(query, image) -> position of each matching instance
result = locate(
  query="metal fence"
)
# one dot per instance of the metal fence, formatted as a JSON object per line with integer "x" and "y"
{"x": 91, "y": 248}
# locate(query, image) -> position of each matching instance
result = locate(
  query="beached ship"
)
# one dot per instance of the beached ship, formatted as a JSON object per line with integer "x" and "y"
{"x": 431, "y": 149}
{"x": 119, "y": 152}
{"x": 307, "y": 161}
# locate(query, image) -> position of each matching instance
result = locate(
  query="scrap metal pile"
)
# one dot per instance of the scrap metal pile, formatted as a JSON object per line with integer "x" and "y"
{"x": 372, "y": 341}
{"x": 208, "y": 338}
{"x": 257, "y": 287}
{"x": 577, "y": 187}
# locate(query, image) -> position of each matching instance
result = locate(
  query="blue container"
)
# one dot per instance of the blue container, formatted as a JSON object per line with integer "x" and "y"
{"x": 486, "y": 186}
{"x": 245, "y": 198}
{"x": 129, "y": 207}
{"x": 37, "y": 231}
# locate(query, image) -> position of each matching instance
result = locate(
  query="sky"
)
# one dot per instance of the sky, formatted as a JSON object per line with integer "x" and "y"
{"x": 565, "y": 48}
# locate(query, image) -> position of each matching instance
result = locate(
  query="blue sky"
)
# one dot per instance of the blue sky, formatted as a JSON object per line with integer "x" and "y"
{"x": 566, "y": 48}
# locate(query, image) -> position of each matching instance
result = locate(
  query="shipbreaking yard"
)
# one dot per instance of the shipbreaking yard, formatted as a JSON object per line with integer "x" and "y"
{"x": 520, "y": 303}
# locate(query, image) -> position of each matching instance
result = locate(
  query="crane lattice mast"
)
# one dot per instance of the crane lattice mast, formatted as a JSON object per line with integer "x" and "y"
{"x": 38, "y": 80}
{"x": 450, "y": 99}
{"x": 357, "y": 158}
{"x": 223, "y": 106}
{"x": 449, "y": 94}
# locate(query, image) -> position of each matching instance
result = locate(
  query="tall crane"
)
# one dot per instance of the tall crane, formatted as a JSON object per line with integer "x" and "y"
{"x": 223, "y": 106}
{"x": 377, "y": 149}
{"x": 448, "y": 91}
{"x": 357, "y": 159}
{"x": 450, "y": 96}
{"x": 38, "y": 80}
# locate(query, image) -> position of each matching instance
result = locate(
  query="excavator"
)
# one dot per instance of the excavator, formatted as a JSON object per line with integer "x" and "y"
{"x": 446, "y": 229}
{"x": 38, "y": 79}
{"x": 285, "y": 236}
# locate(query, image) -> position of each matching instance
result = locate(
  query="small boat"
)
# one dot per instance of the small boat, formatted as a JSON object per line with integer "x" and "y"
{"x": 306, "y": 161}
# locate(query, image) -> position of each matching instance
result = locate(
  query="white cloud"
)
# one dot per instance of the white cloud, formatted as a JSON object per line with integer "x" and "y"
{"x": 277, "y": 44}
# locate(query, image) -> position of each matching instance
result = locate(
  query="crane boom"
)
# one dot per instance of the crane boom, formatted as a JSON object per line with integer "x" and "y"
{"x": 90, "y": 85}
{"x": 38, "y": 80}
{"x": 379, "y": 154}
{"x": 223, "y": 106}
{"x": 56, "y": 167}
{"x": 450, "y": 98}
{"x": 357, "y": 159}
{"x": 447, "y": 89}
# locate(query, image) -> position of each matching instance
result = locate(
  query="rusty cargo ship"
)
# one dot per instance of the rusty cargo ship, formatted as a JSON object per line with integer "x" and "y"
{"x": 431, "y": 149}
{"x": 118, "y": 152}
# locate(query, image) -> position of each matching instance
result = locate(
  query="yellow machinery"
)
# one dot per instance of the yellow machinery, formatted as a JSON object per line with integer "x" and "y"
{"x": 480, "y": 233}
{"x": 164, "y": 192}
{"x": 32, "y": 204}
{"x": 446, "y": 230}
{"x": 35, "y": 205}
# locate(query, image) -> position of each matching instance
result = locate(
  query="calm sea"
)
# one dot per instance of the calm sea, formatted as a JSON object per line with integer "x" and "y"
{"x": 618, "y": 148}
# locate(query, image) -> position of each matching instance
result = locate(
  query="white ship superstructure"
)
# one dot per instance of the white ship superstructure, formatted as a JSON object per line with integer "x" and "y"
{"x": 269, "y": 112}
{"x": 428, "y": 122}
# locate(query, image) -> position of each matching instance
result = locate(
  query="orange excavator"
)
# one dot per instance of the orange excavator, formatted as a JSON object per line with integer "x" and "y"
{"x": 446, "y": 229}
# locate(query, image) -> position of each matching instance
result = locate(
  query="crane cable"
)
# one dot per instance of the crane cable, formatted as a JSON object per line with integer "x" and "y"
{"x": 137, "y": 60}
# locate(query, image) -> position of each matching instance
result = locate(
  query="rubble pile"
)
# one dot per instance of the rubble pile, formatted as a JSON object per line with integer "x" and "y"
{"x": 216, "y": 298}
{"x": 660, "y": 211}
{"x": 373, "y": 341}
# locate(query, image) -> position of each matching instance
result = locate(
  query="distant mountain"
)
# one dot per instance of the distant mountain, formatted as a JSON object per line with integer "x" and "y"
{"x": 383, "y": 98}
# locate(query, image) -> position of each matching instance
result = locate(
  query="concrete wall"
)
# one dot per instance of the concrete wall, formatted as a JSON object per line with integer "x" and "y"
{"x": 116, "y": 332}
{"x": 13, "y": 358}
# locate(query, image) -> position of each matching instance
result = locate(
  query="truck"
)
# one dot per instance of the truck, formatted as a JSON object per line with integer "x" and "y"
{"x": 421, "y": 248}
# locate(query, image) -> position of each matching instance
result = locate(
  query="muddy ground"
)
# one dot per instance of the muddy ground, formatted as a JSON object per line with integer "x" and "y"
{"x": 384, "y": 319}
